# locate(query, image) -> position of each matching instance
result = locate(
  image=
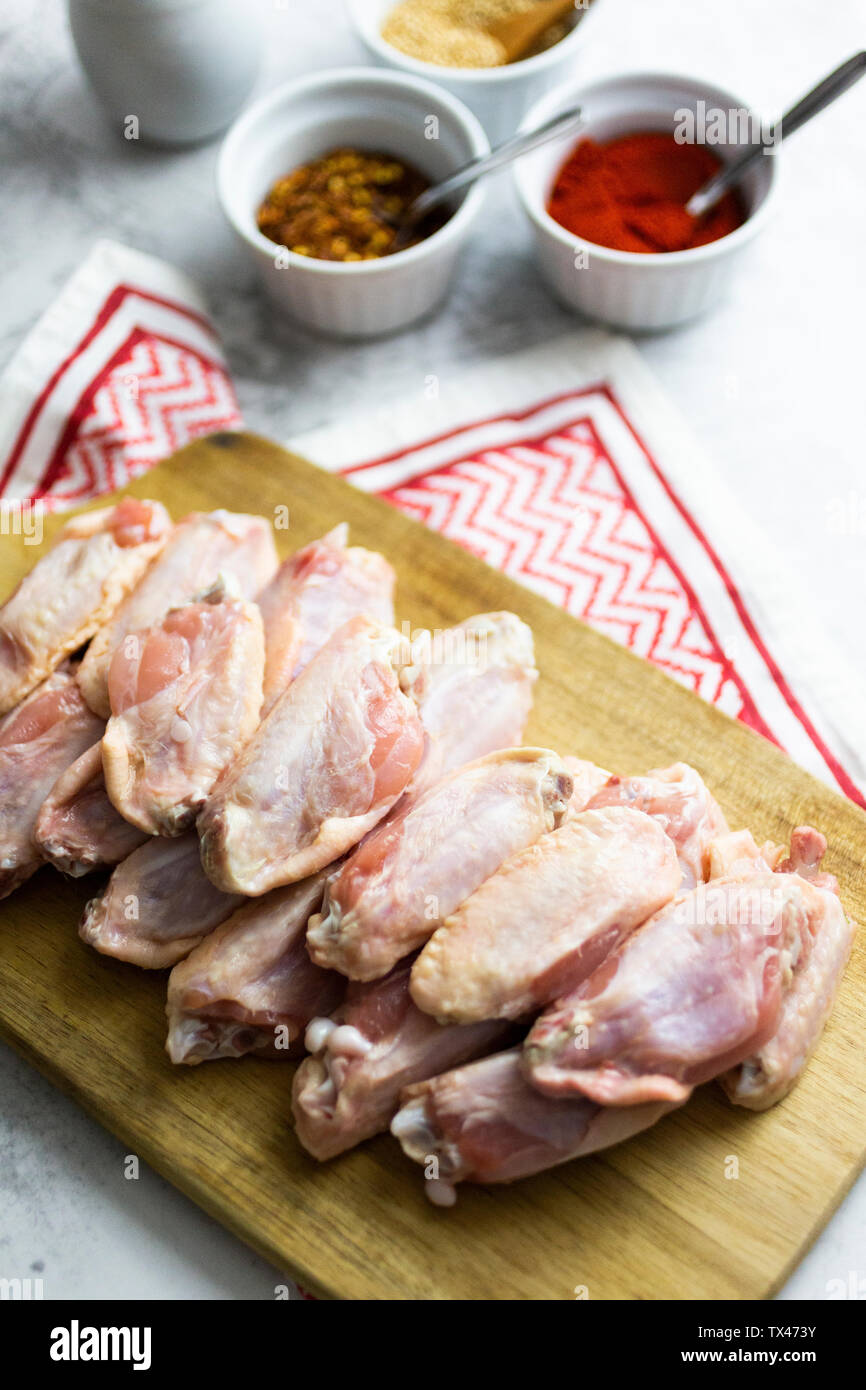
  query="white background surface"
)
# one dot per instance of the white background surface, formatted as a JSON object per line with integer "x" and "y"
{"x": 773, "y": 384}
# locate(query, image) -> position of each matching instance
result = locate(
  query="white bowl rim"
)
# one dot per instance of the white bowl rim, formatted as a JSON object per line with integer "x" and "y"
{"x": 721, "y": 246}
{"x": 506, "y": 72}
{"x": 347, "y": 78}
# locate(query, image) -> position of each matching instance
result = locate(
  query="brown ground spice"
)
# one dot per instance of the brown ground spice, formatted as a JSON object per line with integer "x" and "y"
{"x": 452, "y": 33}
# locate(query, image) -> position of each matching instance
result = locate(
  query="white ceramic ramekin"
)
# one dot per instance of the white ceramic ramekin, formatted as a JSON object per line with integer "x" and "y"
{"x": 365, "y": 109}
{"x": 500, "y": 96}
{"x": 624, "y": 288}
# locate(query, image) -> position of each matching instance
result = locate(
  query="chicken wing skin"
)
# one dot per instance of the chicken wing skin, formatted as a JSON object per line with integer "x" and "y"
{"x": 376, "y": 1043}
{"x": 157, "y": 906}
{"x": 484, "y": 1123}
{"x": 737, "y": 855}
{"x": 547, "y": 917}
{"x": 473, "y": 687}
{"x": 78, "y": 830}
{"x": 767, "y": 1076}
{"x": 314, "y": 592}
{"x": 38, "y": 741}
{"x": 201, "y": 547}
{"x": 185, "y": 695}
{"x": 325, "y": 765}
{"x": 694, "y": 992}
{"x": 680, "y": 801}
{"x": 417, "y": 867}
{"x": 587, "y": 779}
{"x": 76, "y": 586}
{"x": 250, "y": 987}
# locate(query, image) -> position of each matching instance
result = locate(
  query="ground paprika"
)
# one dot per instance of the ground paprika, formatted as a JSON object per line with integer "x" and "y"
{"x": 630, "y": 194}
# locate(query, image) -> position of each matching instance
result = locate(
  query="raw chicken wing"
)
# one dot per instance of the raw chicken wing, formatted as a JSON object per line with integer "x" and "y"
{"x": 693, "y": 993}
{"x": 201, "y": 547}
{"x": 185, "y": 695}
{"x": 91, "y": 567}
{"x": 38, "y": 741}
{"x": 808, "y": 991}
{"x": 327, "y": 763}
{"x": 157, "y": 906}
{"x": 547, "y": 918}
{"x": 376, "y": 1043}
{"x": 808, "y": 847}
{"x": 484, "y": 1123}
{"x": 737, "y": 855}
{"x": 416, "y": 868}
{"x": 473, "y": 687}
{"x": 250, "y": 986}
{"x": 78, "y": 829}
{"x": 678, "y": 799}
{"x": 587, "y": 779}
{"x": 314, "y": 592}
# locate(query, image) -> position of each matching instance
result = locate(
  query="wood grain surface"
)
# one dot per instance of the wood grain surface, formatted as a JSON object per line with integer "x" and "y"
{"x": 656, "y": 1218}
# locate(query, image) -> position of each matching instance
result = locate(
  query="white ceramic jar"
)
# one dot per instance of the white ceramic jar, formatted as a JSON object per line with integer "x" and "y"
{"x": 174, "y": 72}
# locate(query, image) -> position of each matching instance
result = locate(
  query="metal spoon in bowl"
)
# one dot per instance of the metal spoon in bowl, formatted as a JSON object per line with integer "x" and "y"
{"x": 518, "y": 145}
{"x": 827, "y": 91}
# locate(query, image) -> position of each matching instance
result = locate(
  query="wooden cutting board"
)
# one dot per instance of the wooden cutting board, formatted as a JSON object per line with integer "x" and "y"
{"x": 660, "y": 1217}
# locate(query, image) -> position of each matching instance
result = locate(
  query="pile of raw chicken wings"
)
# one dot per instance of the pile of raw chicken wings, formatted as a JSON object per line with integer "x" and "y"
{"x": 330, "y": 831}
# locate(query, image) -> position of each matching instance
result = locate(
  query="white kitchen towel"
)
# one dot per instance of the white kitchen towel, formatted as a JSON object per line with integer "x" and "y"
{"x": 566, "y": 467}
{"x": 122, "y": 369}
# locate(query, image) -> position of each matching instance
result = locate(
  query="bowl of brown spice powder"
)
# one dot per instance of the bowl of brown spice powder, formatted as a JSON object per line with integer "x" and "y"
{"x": 449, "y": 41}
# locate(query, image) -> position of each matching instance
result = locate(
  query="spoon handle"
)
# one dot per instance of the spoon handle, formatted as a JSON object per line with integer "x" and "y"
{"x": 487, "y": 163}
{"x": 802, "y": 111}
{"x": 832, "y": 87}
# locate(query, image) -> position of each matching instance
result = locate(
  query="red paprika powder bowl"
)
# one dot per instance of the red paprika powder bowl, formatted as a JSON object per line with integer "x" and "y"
{"x": 648, "y": 137}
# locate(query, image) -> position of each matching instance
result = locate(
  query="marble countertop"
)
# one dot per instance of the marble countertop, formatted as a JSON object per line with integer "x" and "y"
{"x": 772, "y": 384}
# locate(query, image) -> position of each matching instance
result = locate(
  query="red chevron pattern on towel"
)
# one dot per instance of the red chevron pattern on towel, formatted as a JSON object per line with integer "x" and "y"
{"x": 557, "y": 516}
{"x": 566, "y": 497}
{"x": 121, "y": 374}
{"x": 154, "y": 398}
